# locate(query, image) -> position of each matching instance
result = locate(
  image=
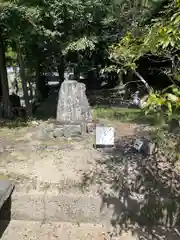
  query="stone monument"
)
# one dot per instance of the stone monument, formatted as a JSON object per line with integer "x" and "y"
{"x": 73, "y": 116}
{"x": 73, "y": 105}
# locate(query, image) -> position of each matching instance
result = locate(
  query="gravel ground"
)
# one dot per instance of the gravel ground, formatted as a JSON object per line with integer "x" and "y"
{"x": 118, "y": 175}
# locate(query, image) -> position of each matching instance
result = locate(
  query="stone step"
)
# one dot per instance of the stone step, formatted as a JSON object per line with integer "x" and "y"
{"x": 75, "y": 208}
{"x": 37, "y": 230}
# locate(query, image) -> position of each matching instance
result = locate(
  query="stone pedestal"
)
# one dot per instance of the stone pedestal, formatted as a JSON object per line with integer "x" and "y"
{"x": 73, "y": 105}
{"x": 67, "y": 130}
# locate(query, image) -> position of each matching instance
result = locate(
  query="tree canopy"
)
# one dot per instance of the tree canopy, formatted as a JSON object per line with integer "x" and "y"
{"x": 159, "y": 37}
{"x": 41, "y": 36}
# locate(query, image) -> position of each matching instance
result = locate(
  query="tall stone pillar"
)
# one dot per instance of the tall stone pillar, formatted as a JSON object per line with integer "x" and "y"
{"x": 73, "y": 105}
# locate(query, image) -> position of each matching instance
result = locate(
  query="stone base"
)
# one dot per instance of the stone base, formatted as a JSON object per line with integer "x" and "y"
{"x": 55, "y": 129}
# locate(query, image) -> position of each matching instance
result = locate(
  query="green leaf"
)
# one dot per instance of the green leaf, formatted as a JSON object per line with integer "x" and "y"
{"x": 169, "y": 108}
{"x": 171, "y": 97}
{"x": 172, "y": 42}
{"x": 165, "y": 43}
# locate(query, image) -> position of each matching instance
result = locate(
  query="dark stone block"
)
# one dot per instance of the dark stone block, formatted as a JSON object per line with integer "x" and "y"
{"x": 6, "y": 189}
{"x": 103, "y": 146}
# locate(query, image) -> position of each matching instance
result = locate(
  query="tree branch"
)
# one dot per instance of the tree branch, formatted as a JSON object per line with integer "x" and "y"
{"x": 142, "y": 80}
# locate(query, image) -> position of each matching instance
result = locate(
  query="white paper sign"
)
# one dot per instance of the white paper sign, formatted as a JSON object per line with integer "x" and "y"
{"x": 138, "y": 144}
{"x": 104, "y": 136}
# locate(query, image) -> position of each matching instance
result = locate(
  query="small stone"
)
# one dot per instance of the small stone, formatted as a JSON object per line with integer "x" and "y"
{"x": 72, "y": 130}
{"x": 138, "y": 144}
{"x": 58, "y": 132}
{"x": 50, "y": 127}
{"x": 2, "y": 149}
{"x": 15, "y": 154}
{"x": 83, "y": 128}
{"x": 91, "y": 127}
{"x": 148, "y": 147}
{"x": 51, "y": 134}
{"x": 22, "y": 158}
{"x": 42, "y": 133}
{"x": 35, "y": 123}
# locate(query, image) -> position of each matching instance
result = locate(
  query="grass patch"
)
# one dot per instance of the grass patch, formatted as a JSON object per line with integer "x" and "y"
{"x": 122, "y": 114}
{"x": 13, "y": 123}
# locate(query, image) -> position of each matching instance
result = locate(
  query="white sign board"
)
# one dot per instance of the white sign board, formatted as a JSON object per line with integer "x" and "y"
{"x": 104, "y": 136}
{"x": 138, "y": 144}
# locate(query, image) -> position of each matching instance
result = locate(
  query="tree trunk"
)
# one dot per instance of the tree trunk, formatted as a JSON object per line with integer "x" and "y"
{"x": 31, "y": 90}
{"x": 38, "y": 76}
{"x": 16, "y": 80}
{"x": 24, "y": 84}
{"x": 60, "y": 68}
{"x": 7, "y": 111}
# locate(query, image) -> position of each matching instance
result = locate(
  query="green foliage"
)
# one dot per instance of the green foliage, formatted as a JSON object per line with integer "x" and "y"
{"x": 163, "y": 105}
{"x": 127, "y": 51}
{"x": 77, "y": 31}
{"x": 161, "y": 37}
{"x": 81, "y": 44}
{"x": 11, "y": 57}
{"x": 66, "y": 26}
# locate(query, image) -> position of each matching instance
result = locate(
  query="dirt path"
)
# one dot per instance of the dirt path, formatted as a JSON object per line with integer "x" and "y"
{"x": 51, "y": 165}
{"x": 56, "y": 165}
{"x": 25, "y": 156}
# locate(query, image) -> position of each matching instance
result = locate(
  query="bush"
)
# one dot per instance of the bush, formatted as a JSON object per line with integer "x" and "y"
{"x": 164, "y": 105}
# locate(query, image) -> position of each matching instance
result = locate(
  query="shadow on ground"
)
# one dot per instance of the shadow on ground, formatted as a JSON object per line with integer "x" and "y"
{"x": 143, "y": 191}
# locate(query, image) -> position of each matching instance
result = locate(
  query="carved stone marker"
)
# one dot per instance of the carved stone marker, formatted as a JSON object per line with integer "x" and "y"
{"x": 104, "y": 137}
{"x": 73, "y": 110}
{"x": 73, "y": 105}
